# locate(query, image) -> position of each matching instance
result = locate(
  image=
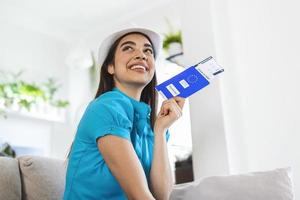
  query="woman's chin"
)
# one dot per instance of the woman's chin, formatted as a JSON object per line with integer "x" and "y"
{"x": 141, "y": 83}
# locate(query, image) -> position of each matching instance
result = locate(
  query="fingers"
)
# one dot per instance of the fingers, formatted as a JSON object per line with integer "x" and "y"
{"x": 170, "y": 109}
{"x": 171, "y": 106}
{"x": 177, "y": 100}
{"x": 177, "y": 109}
{"x": 180, "y": 101}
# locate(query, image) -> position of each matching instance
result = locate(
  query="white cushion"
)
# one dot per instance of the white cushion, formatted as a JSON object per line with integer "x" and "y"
{"x": 267, "y": 185}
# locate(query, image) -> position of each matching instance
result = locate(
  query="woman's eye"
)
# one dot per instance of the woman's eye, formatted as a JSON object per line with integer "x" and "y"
{"x": 149, "y": 51}
{"x": 127, "y": 48}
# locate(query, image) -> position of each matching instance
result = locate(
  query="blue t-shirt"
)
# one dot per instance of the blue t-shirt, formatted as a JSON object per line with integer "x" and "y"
{"x": 88, "y": 176}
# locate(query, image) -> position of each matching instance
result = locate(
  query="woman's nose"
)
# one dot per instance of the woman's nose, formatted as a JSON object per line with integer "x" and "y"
{"x": 141, "y": 56}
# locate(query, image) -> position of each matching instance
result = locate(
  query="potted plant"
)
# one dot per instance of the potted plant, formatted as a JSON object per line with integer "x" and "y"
{"x": 7, "y": 151}
{"x": 172, "y": 43}
{"x": 18, "y": 95}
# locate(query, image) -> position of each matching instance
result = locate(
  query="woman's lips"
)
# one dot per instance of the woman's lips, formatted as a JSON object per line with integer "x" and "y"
{"x": 140, "y": 67}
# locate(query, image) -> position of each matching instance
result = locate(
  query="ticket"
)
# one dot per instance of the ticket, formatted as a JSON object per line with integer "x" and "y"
{"x": 191, "y": 80}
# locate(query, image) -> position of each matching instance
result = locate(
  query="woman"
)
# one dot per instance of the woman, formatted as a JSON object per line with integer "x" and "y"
{"x": 120, "y": 148}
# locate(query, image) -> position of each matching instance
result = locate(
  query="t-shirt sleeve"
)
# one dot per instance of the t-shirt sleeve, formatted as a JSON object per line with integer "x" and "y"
{"x": 167, "y": 135}
{"x": 107, "y": 118}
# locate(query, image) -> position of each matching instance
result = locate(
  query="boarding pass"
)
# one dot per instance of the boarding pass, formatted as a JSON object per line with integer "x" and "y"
{"x": 191, "y": 80}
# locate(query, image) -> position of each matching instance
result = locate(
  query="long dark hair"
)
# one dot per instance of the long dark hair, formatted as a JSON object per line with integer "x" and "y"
{"x": 149, "y": 94}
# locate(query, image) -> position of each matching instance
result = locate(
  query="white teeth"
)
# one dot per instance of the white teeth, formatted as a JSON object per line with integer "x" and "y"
{"x": 138, "y": 67}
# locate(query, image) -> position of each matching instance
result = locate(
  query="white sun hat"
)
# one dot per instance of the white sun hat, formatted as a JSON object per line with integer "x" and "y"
{"x": 109, "y": 40}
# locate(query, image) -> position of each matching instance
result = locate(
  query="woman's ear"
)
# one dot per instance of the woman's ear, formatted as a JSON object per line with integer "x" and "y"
{"x": 111, "y": 69}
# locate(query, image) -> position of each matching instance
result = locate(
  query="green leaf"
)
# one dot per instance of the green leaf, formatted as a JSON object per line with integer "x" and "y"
{"x": 61, "y": 103}
{"x": 51, "y": 88}
{"x": 3, "y": 113}
{"x": 2, "y": 92}
{"x": 171, "y": 37}
{"x": 30, "y": 90}
{"x": 25, "y": 104}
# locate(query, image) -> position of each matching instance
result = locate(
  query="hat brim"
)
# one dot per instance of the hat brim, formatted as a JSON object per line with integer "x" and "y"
{"x": 108, "y": 42}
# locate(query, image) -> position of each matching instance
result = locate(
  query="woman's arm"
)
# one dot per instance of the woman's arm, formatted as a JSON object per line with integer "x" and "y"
{"x": 160, "y": 174}
{"x": 124, "y": 164}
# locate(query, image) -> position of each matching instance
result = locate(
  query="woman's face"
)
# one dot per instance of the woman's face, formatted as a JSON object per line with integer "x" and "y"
{"x": 134, "y": 61}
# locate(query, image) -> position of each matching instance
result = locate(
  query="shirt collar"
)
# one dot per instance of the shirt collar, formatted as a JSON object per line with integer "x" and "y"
{"x": 140, "y": 107}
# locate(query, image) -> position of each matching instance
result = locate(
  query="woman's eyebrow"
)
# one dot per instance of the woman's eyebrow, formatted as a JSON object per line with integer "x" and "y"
{"x": 127, "y": 42}
{"x": 133, "y": 43}
{"x": 148, "y": 45}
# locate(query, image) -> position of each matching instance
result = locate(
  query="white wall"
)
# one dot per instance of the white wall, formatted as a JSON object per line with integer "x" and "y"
{"x": 32, "y": 135}
{"x": 265, "y": 47}
{"x": 257, "y": 42}
{"x": 208, "y": 134}
{"x": 41, "y": 57}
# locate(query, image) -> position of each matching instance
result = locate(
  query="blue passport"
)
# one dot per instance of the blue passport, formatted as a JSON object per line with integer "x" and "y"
{"x": 191, "y": 80}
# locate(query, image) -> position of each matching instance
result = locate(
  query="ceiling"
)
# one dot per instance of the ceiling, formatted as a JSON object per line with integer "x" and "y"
{"x": 71, "y": 19}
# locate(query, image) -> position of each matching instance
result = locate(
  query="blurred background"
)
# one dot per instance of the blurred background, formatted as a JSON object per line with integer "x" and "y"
{"x": 246, "y": 120}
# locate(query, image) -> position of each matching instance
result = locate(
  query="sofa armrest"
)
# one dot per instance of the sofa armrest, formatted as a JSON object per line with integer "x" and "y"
{"x": 10, "y": 183}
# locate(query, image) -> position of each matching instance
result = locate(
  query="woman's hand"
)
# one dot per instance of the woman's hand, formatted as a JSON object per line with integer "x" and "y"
{"x": 170, "y": 111}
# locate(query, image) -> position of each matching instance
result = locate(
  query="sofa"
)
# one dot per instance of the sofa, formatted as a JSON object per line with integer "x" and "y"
{"x": 40, "y": 178}
{"x": 31, "y": 178}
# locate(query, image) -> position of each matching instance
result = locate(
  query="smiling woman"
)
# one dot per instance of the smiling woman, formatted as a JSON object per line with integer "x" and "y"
{"x": 134, "y": 62}
{"x": 120, "y": 148}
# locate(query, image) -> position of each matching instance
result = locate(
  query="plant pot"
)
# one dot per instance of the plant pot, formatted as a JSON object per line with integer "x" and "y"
{"x": 174, "y": 48}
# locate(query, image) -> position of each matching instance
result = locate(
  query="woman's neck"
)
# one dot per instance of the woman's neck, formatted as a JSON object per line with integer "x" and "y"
{"x": 132, "y": 92}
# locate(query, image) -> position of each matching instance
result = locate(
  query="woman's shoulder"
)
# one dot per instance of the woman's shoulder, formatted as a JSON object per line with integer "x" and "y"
{"x": 113, "y": 100}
